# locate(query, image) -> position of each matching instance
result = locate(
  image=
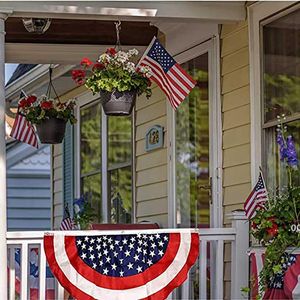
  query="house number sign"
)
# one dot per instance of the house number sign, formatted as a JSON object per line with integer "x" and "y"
{"x": 154, "y": 138}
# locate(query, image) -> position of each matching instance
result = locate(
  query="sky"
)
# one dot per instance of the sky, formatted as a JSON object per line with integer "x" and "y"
{"x": 9, "y": 69}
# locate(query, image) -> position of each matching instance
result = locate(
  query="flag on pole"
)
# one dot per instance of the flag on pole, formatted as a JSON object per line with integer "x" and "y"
{"x": 102, "y": 265}
{"x": 22, "y": 130}
{"x": 66, "y": 223}
{"x": 257, "y": 197}
{"x": 174, "y": 81}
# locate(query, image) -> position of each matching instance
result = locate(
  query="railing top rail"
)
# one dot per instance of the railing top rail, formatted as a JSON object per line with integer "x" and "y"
{"x": 38, "y": 235}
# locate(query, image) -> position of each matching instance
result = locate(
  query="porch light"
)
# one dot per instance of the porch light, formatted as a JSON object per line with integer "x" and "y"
{"x": 36, "y": 25}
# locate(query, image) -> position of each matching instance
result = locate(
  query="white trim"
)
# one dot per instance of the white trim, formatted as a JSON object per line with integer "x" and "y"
{"x": 256, "y": 13}
{"x": 104, "y": 166}
{"x": 130, "y": 10}
{"x": 215, "y": 127}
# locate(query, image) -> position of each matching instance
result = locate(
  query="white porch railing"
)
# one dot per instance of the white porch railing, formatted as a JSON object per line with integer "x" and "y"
{"x": 214, "y": 237}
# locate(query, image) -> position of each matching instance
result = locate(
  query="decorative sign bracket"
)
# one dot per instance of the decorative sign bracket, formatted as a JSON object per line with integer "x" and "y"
{"x": 154, "y": 138}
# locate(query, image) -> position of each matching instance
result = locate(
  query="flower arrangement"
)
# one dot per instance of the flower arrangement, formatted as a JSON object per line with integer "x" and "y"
{"x": 39, "y": 109}
{"x": 84, "y": 214}
{"x": 273, "y": 226}
{"x": 114, "y": 71}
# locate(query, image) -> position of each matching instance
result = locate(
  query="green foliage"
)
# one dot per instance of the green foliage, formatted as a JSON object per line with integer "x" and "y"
{"x": 44, "y": 108}
{"x": 114, "y": 71}
{"x": 86, "y": 217}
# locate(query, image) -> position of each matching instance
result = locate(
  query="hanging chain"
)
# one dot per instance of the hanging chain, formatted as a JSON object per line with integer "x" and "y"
{"x": 51, "y": 86}
{"x": 118, "y": 29}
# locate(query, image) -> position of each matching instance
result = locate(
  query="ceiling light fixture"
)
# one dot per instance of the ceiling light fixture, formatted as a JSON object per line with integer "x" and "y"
{"x": 36, "y": 25}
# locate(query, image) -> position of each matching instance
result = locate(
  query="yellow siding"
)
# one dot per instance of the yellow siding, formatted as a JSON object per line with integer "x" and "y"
{"x": 57, "y": 191}
{"x": 236, "y": 125}
{"x": 151, "y": 167}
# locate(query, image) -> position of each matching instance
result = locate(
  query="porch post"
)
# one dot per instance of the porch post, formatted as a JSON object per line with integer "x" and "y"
{"x": 3, "y": 247}
{"x": 239, "y": 256}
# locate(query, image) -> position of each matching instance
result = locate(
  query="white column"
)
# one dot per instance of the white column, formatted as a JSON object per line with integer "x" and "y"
{"x": 239, "y": 256}
{"x": 3, "y": 247}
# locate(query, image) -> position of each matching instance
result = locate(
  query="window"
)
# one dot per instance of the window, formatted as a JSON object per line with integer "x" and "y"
{"x": 119, "y": 169}
{"x": 280, "y": 89}
{"x": 192, "y": 150}
{"x": 117, "y": 157}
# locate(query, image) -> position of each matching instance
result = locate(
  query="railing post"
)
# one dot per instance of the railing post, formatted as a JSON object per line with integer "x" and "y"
{"x": 239, "y": 257}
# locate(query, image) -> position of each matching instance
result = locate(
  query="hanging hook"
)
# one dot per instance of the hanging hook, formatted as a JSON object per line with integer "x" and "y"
{"x": 118, "y": 29}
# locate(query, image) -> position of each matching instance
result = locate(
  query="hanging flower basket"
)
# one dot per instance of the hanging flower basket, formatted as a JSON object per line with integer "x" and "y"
{"x": 117, "y": 103}
{"x": 51, "y": 131}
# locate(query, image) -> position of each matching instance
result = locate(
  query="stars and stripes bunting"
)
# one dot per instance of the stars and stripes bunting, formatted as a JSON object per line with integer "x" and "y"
{"x": 257, "y": 197}
{"x": 132, "y": 265}
{"x": 174, "y": 81}
{"x": 284, "y": 285}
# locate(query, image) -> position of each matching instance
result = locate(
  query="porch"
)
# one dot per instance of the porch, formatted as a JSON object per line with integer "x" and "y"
{"x": 206, "y": 279}
{"x": 194, "y": 19}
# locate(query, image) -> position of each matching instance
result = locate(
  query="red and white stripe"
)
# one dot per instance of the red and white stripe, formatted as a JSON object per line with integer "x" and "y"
{"x": 254, "y": 201}
{"x": 66, "y": 224}
{"x": 23, "y": 131}
{"x": 176, "y": 83}
{"x": 257, "y": 258}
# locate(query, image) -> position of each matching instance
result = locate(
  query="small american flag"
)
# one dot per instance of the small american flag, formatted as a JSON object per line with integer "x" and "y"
{"x": 66, "y": 223}
{"x": 167, "y": 73}
{"x": 257, "y": 197}
{"x": 22, "y": 130}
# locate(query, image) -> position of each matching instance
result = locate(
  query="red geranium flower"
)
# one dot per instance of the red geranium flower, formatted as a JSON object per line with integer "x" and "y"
{"x": 254, "y": 225}
{"x": 85, "y": 62}
{"x": 46, "y": 105}
{"x": 23, "y": 103}
{"x": 31, "y": 99}
{"x": 111, "y": 51}
{"x": 98, "y": 66}
{"x": 273, "y": 230}
{"x": 78, "y": 76}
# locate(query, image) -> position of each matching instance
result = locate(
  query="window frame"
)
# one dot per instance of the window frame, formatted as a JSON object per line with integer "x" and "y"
{"x": 260, "y": 14}
{"x": 86, "y": 99}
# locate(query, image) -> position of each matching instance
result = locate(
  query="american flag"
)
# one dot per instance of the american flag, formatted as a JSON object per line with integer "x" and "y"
{"x": 23, "y": 130}
{"x": 66, "y": 223}
{"x": 175, "y": 82}
{"x": 284, "y": 285}
{"x": 145, "y": 265}
{"x": 257, "y": 197}
{"x": 33, "y": 276}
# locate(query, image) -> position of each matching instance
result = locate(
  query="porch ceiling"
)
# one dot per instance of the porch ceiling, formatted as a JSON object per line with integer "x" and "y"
{"x": 84, "y": 32}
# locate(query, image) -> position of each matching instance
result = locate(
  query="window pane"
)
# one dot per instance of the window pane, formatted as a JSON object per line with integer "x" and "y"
{"x": 121, "y": 195}
{"x": 192, "y": 150}
{"x": 91, "y": 189}
{"x": 276, "y": 170}
{"x": 119, "y": 140}
{"x": 90, "y": 142}
{"x": 281, "y": 66}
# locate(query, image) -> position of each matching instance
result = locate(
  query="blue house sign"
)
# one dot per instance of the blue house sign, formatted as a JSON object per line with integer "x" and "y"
{"x": 154, "y": 138}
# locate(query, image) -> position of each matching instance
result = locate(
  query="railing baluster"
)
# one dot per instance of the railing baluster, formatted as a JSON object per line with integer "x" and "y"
{"x": 24, "y": 271}
{"x": 203, "y": 270}
{"x": 12, "y": 273}
{"x": 42, "y": 272}
{"x": 60, "y": 292}
{"x": 220, "y": 269}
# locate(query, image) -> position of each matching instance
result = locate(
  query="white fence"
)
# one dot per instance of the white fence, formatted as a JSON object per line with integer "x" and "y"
{"x": 212, "y": 268}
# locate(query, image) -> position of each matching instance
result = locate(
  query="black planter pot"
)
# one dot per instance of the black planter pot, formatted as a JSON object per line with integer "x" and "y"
{"x": 51, "y": 131}
{"x": 117, "y": 103}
